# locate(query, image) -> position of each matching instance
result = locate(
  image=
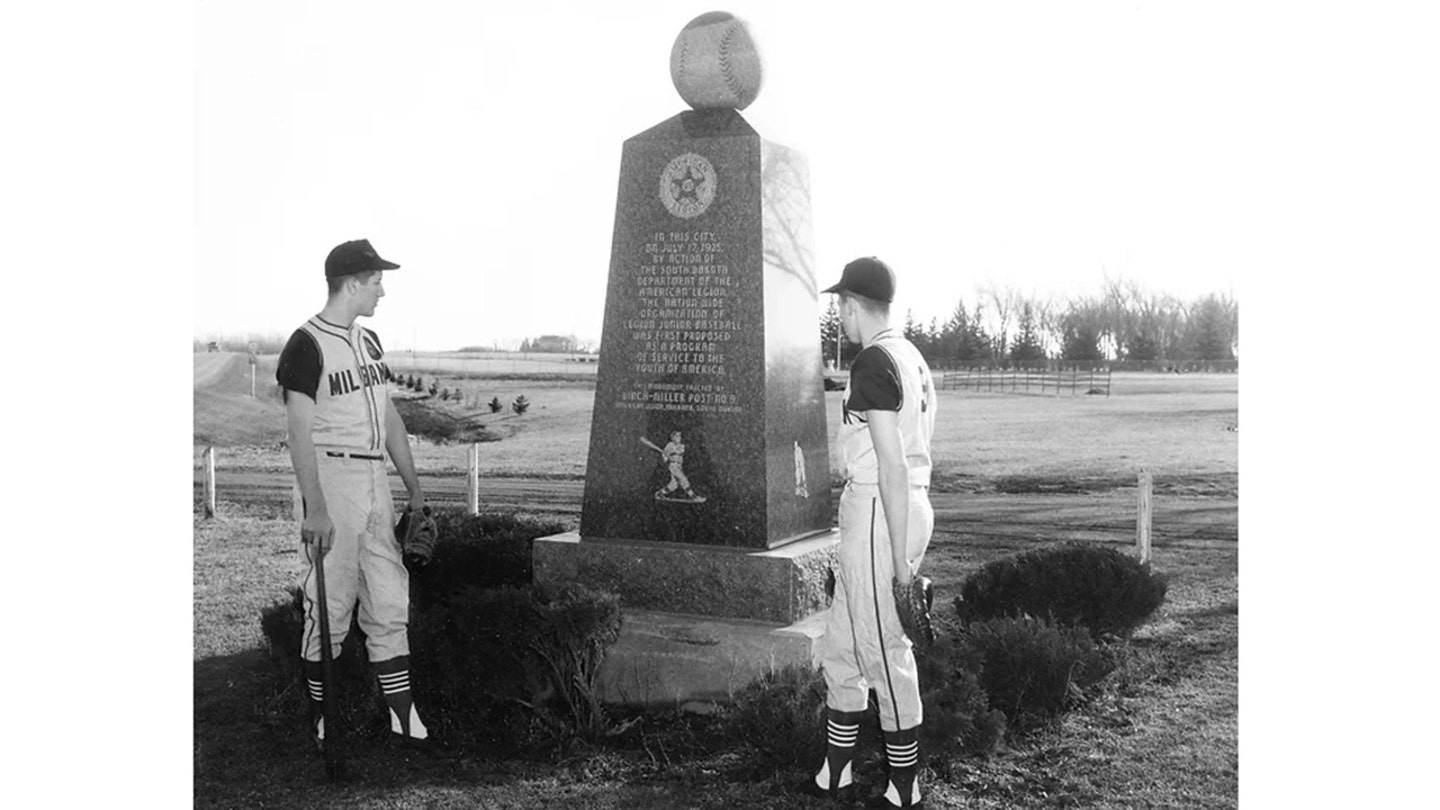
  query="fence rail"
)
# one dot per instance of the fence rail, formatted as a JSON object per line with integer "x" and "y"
{"x": 1073, "y": 381}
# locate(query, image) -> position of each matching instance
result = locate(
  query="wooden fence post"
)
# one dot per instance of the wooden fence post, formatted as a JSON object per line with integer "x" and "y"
{"x": 472, "y": 481}
{"x": 210, "y": 481}
{"x": 1142, "y": 520}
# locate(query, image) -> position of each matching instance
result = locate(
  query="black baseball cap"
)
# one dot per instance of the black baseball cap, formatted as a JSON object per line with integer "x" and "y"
{"x": 356, "y": 256}
{"x": 869, "y": 277}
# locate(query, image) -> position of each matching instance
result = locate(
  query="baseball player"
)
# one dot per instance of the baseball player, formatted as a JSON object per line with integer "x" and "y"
{"x": 885, "y": 527}
{"x": 341, "y": 426}
{"x": 673, "y": 454}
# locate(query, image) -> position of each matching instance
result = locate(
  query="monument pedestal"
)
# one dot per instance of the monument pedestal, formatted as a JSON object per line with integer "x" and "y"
{"x": 699, "y": 623}
{"x": 670, "y": 659}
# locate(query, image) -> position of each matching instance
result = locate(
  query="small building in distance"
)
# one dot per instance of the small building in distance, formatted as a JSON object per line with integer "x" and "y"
{"x": 551, "y": 343}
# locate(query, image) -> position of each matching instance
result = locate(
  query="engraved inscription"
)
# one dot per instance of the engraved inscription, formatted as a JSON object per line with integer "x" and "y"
{"x": 684, "y": 324}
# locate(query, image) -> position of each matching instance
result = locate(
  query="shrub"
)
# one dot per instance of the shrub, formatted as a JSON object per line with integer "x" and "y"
{"x": 487, "y": 550}
{"x": 1032, "y": 669}
{"x": 493, "y": 660}
{"x": 434, "y": 388}
{"x": 495, "y": 406}
{"x": 1073, "y": 584}
{"x": 780, "y": 716}
{"x": 515, "y": 667}
{"x": 958, "y": 715}
{"x": 520, "y": 405}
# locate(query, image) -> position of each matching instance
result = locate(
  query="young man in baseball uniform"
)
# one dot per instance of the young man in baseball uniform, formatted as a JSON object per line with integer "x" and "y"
{"x": 885, "y": 526}
{"x": 341, "y": 426}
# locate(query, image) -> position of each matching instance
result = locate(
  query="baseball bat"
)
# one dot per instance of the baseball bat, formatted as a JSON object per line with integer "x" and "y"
{"x": 334, "y": 765}
{"x": 652, "y": 445}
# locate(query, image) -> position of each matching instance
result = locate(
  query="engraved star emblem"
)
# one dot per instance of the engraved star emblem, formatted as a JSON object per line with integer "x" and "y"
{"x": 688, "y": 185}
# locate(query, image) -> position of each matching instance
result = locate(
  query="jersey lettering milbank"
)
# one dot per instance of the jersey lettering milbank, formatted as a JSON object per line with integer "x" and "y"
{"x": 344, "y": 371}
{"x": 890, "y": 374}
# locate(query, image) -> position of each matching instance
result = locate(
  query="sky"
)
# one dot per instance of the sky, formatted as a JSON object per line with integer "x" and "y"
{"x": 1038, "y": 148}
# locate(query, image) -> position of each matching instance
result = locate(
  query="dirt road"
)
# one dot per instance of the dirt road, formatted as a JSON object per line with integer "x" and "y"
{"x": 1179, "y": 521}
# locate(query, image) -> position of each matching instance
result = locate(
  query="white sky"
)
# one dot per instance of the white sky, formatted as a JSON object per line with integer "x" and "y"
{"x": 1037, "y": 147}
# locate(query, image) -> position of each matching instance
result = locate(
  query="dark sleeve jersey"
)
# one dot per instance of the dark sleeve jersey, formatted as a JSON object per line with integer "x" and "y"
{"x": 888, "y": 375}
{"x": 344, "y": 371}
{"x": 874, "y": 384}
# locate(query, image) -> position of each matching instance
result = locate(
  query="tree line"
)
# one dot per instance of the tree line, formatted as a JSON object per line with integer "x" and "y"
{"x": 1124, "y": 325}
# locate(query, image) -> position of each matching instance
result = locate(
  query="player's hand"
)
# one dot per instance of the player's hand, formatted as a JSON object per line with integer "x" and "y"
{"x": 417, "y": 501}
{"x": 317, "y": 532}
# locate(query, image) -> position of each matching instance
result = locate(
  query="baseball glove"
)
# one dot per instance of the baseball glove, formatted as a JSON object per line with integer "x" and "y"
{"x": 913, "y": 605}
{"x": 418, "y": 535}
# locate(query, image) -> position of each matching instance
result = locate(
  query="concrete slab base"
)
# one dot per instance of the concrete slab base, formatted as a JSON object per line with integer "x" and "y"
{"x": 672, "y": 659}
{"x": 781, "y": 585}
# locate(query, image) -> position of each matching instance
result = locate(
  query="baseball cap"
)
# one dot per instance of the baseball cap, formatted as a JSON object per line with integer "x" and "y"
{"x": 869, "y": 277}
{"x": 355, "y": 256}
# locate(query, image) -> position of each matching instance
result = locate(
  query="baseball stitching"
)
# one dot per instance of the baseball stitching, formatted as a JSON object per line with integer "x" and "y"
{"x": 730, "y": 80}
{"x": 680, "y": 68}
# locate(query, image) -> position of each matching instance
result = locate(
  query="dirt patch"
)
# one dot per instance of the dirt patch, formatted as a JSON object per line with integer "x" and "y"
{"x": 440, "y": 425}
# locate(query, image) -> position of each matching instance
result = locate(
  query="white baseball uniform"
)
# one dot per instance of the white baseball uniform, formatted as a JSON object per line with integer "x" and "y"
{"x": 345, "y": 372}
{"x": 865, "y": 645}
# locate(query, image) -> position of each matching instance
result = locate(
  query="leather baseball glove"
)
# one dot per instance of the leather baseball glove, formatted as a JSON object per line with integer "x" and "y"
{"x": 418, "y": 535}
{"x": 913, "y": 605}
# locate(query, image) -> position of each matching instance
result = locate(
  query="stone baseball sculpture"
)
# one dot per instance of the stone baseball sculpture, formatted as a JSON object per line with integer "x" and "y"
{"x": 715, "y": 63}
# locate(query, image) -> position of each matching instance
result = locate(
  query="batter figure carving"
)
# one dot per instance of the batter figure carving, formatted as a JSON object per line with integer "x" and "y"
{"x": 672, "y": 455}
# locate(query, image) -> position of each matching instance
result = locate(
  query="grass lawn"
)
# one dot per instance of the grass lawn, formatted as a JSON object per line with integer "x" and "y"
{"x": 1162, "y": 732}
{"x": 1013, "y": 472}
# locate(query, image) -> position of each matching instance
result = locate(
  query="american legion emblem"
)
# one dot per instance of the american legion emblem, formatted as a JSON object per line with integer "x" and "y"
{"x": 687, "y": 186}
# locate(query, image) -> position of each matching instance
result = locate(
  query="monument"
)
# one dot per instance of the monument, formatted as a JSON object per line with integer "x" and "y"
{"x": 707, "y": 501}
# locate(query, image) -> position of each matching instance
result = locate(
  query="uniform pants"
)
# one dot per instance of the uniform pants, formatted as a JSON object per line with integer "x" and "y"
{"x": 363, "y": 565}
{"x": 865, "y": 645}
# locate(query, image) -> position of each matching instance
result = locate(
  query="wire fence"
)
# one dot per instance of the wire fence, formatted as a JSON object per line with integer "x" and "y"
{"x": 1057, "y": 382}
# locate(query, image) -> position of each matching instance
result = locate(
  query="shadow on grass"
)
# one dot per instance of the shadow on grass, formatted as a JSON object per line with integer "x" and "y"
{"x": 252, "y": 749}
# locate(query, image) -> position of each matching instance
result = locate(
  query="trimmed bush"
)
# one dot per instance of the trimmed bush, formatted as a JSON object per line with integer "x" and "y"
{"x": 494, "y": 661}
{"x": 780, "y": 717}
{"x": 958, "y": 715}
{"x": 512, "y": 667}
{"x": 520, "y": 405}
{"x": 496, "y": 406}
{"x": 485, "y": 550}
{"x": 1072, "y": 584}
{"x": 1033, "y": 670}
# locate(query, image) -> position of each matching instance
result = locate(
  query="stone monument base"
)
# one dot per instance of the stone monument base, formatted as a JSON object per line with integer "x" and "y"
{"x": 673, "y": 659}
{"x": 781, "y": 585}
{"x": 698, "y": 623}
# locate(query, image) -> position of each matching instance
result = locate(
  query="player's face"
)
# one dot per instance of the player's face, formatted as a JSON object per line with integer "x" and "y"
{"x": 370, "y": 293}
{"x": 848, "y": 318}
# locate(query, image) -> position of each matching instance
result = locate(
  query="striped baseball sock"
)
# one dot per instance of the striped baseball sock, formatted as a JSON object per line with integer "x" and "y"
{"x": 902, "y": 751}
{"x": 394, "y": 678}
{"x": 315, "y": 687}
{"x": 842, "y": 729}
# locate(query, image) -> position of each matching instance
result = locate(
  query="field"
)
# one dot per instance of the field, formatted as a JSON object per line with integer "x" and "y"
{"x": 1013, "y": 472}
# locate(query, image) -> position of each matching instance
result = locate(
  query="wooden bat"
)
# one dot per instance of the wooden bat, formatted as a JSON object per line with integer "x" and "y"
{"x": 652, "y": 445}
{"x": 334, "y": 763}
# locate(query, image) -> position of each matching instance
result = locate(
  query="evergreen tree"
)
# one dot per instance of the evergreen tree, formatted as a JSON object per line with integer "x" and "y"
{"x": 1211, "y": 330}
{"x": 830, "y": 331}
{"x": 1027, "y": 351}
{"x": 1081, "y": 329}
